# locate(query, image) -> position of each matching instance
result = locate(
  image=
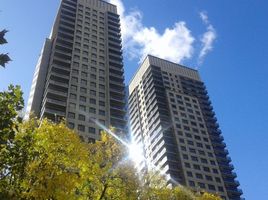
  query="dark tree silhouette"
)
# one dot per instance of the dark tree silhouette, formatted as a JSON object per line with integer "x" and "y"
{"x": 4, "y": 58}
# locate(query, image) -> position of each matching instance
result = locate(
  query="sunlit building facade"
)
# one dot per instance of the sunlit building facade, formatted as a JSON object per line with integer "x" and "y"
{"x": 79, "y": 75}
{"x": 172, "y": 117}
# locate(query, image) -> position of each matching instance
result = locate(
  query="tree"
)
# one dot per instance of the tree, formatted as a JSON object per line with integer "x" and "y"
{"x": 111, "y": 176}
{"x": 207, "y": 196}
{"x": 4, "y": 58}
{"x": 11, "y": 103}
{"x": 47, "y": 161}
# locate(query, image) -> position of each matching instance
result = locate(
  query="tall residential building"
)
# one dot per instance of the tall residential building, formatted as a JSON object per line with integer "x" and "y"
{"x": 171, "y": 115}
{"x": 79, "y": 75}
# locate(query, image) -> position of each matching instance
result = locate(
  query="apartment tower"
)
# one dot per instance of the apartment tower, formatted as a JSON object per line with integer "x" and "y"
{"x": 171, "y": 115}
{"x": 79, "y": 75}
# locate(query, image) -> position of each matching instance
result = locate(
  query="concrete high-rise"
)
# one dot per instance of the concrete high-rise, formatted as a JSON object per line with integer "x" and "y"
{"x": 171, "y": 115}
{"x": 79, "y": 75}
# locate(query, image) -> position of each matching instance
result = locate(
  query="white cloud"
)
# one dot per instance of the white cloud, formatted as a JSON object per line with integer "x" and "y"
{"x": 207, "y": 38}
{"x": 174, "y": 44}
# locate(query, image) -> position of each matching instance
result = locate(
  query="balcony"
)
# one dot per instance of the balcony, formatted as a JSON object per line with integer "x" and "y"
{"x": 56, "y": 92}
{"x": 57, "y": 102}
{"x": 118, "y": 109}
{"x": 59, "y": 67}
{"x": 120, "y": 92}
{"x": 231, "y": 182}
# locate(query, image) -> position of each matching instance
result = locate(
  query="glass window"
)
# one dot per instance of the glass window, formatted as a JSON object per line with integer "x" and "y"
{"x": 71, "y": 115}
{"x": 91, "y": 130}
{"x": 82, "y": 117}
{"x": 81, "y": 127}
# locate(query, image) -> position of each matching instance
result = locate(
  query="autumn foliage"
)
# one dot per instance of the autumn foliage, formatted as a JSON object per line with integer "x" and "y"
{"x": 43, "y": 160}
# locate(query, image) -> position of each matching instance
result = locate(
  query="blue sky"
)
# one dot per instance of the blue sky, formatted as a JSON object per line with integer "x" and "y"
{"x": 235, "y": 70}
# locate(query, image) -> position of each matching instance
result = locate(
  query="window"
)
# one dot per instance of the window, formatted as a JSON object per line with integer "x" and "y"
{"x": 73, "y": 87}
{"x": 93, "y": 92}
{"x": 190, "y": 174}
{"x": 101, "y": 94}
{"x": 85, "y": 46}
{"x": 72, "y": 105}
{"x": 75, "y": 72}
{"x": 71, "y": 115}
{"x": 211, "y": 187}
{"x": 93, "y": 76}
{"x": 210, "y": 155}
{"x": 201, "y": 152}
{"x": 83, "y": 108}
{"x": 91, "y": 130}
{"x": 212, "y": 162}
{"x": 84, "y": 74}
{"x": 76, "y": 64}
{"x": 81, "y": 127}
{"x": 190, "y": 142}
{"x": 92, "y": 110}
{"x": 208, "y": 147}
{"x": 83, "y": 90}
{"x": 197, "y": 167}
{"x": 194, "y": 158}
{"x": 83, "y": 99}
{"x": 92, "y": 101}
{"x": 83, "y": 82}
{"x": 198, "y": 144}
{"x": 76, "y": 57}
{"x": 84, "y": 67}
{"x": 101, "y": 103}
{"x": 93, "y": 69}
{"x": 201, "y": 185}
{"x": 206, "y": 169}
{"x": 218, "y": 179}
{"x": 215, "y": 171}
{"x": 183, "y": 148}
{"x": 220, "y": 189}
{"x": 75, "y": 79}
{"x": 209, "y": 178}
{"x": 187, "y": 165}
{"x": 191, "y": 183}
{"x": 85, "y": 59}
{"x": 101, "y": 86}
{"x": 199, "y": 176}
{"x": 71, "y": 125}
{"x": 93, "y": 84}
{"x": 102, "y": 112}
{"x": 72, "y": 96}
{"x": 102, "y": 122}
{"x": 192, "y": 150}
{"x": 82, "y": 117}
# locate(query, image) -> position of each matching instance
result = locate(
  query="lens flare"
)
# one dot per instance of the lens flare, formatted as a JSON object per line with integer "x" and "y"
{"x": 136, "y": 153}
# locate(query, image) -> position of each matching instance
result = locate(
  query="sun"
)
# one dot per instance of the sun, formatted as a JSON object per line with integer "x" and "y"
{"x": 135, "y": 153}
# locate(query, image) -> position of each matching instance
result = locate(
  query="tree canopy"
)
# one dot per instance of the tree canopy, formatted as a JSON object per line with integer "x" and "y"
{"x": 44, "y": 160}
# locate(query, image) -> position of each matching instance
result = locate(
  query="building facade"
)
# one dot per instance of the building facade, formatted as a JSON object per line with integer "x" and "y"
{"x": 79, "y": 75}
{"x": 171, "y": 115}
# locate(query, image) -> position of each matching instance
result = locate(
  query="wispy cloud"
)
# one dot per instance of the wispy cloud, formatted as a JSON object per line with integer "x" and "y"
{"x": 207, "y": 38}
{"x": 175, "y": 43}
